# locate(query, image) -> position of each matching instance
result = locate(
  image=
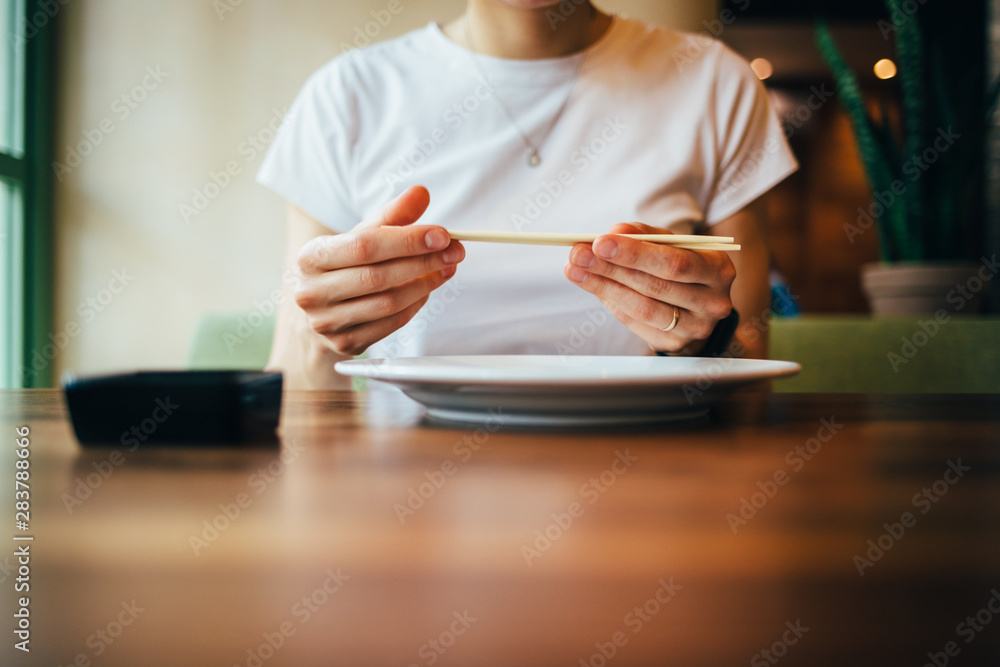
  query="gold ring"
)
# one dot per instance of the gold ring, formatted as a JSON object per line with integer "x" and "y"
{"x": 677, "y": 317}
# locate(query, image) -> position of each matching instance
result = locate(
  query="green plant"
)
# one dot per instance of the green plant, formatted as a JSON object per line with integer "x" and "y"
{"x": 933, "y": 212}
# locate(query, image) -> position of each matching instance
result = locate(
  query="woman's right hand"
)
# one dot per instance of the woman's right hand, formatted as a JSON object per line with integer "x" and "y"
{"x": 357, "y": 288}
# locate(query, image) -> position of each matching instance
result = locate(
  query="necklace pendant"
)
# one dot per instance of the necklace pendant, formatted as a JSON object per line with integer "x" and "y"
{"x": 534, "y": 159}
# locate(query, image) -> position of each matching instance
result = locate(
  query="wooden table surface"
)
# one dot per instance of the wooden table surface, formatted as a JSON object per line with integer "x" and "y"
{"x": 375, "y": 538}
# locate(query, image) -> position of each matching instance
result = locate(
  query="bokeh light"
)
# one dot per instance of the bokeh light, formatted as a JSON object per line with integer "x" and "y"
{"x": 885, "y": 69}
{"x": 762, "y": 68}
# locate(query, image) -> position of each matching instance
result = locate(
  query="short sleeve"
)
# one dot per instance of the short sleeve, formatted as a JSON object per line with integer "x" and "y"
{"x": 753, "y": 155}
{"x": 309, "y": 161}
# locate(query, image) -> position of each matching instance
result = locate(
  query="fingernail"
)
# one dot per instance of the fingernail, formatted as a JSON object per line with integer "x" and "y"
{"x": 606, "y": 247}
{"x": 576, "y": 274}
{"x": 448, "y": 272}
{"x": 582, "y": 257}
{"x": 436, "y": 239}
{"x": 453, "y": 255}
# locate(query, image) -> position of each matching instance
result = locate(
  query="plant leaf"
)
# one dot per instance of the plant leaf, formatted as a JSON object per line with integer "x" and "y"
{"x": 877, "y": 164}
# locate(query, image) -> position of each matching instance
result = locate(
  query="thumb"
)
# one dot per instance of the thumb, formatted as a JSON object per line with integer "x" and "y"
{"x": 403, "y": 210}
{"x": 636, "y": 228}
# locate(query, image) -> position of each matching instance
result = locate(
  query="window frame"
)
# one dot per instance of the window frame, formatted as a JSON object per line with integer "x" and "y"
{"x": 30, "y": 271}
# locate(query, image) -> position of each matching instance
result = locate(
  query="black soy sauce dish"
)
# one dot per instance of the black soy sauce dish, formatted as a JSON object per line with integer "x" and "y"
{"x": 203, "y": 408}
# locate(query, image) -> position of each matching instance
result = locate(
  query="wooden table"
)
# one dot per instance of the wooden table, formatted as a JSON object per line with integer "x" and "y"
{"x": 520, "y": 547}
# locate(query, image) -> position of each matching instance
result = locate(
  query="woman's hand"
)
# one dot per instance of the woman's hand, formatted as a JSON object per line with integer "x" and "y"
{"x": 641, "y": 283}
{"x": 359, "y": 287}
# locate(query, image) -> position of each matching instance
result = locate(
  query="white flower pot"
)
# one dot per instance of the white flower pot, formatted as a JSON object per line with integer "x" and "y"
{"x": 916, "y": 289}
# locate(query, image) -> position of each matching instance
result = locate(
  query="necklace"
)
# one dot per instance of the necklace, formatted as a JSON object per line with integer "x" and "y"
{"x": 534, "y": 158}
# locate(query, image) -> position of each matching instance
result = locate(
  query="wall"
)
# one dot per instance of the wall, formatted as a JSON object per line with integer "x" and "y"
{"x": 134, "y": 270}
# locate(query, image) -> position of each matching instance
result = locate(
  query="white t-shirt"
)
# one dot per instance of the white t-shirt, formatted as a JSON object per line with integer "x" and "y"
{"x": 665, "y": 128}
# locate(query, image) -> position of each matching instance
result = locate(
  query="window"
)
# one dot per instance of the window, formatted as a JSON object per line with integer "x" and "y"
{"x": 27, "y": 33}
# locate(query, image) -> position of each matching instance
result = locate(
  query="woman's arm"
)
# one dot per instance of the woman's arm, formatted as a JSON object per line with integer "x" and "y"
{"x": 751, "y": 291}
{"x": 303, "y": 355}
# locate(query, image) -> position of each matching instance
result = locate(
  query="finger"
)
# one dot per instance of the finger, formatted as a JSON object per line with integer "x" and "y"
{"x": 364, "y": 244}
{"x": 633, "y": 308}
{"x": 371, "y": 246}
{"x": 664, "y": 341}
{"x": 711, "y": 302}
{"x": 636, "y": 228}
{"x": 373, "y": 307}
{"x": 689, "y": 266}
{"x": 334, "y": 286}
{"x": 355, "y": 340}
{"x": 403, "y": 210}
{"x": 639, "y": 228}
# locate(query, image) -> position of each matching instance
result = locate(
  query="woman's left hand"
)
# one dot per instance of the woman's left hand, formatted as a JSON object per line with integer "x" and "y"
{"x": 642, "y": 283}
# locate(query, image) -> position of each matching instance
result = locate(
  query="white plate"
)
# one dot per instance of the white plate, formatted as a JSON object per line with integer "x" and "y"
{"x": 566, "y": 390}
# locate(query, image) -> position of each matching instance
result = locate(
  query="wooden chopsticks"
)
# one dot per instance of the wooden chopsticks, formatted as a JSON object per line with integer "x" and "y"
{"x": 686, "y": 241}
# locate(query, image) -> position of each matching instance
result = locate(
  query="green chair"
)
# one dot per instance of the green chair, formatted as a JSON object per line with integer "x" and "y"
{"x": 238, "y": 341}
{"x": 232, "y": 340}
{"x": 838, "y": 353}
{"x": 906, "y": 355}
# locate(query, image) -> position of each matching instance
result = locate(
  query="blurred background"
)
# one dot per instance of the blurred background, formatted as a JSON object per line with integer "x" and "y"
{"x": 132, "y": 132}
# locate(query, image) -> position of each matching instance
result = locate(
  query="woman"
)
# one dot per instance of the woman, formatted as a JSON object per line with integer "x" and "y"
{"x": 523, "y": 116}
